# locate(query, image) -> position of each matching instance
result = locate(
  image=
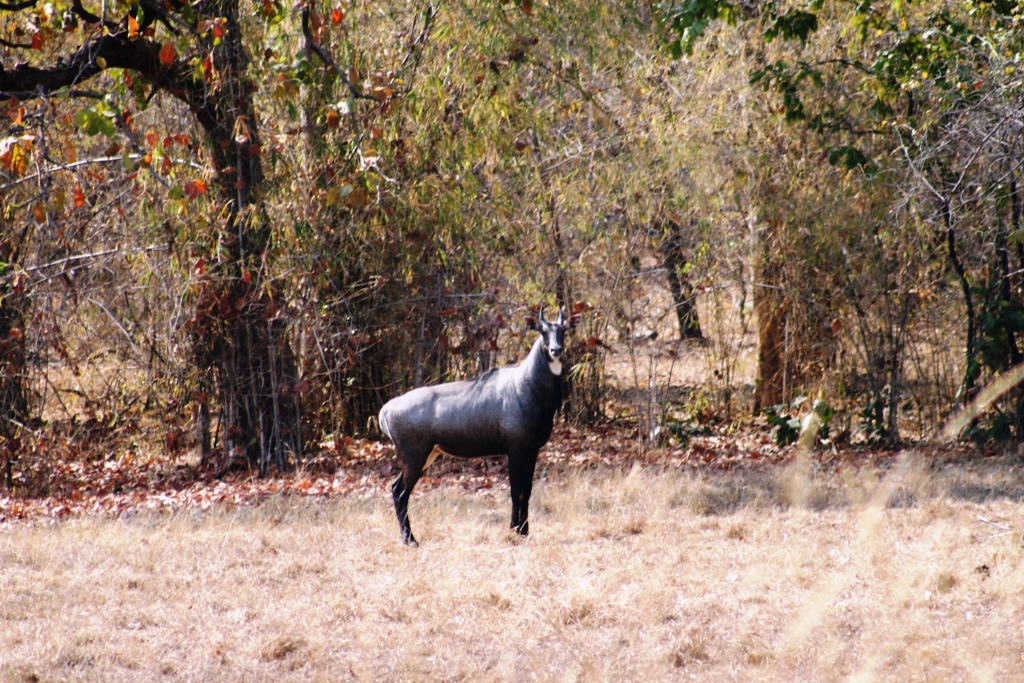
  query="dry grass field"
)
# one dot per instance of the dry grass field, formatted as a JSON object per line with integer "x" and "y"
{"x": 909, "y": 574}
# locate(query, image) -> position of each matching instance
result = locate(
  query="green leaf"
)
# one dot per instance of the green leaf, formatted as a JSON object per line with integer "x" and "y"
{"x": 675, "y": 48}
{"x": 850, "y": 157}
{"x": 797, "y": 24}
{"x": 689, "y": 20}
{"x": 96, "y": 119}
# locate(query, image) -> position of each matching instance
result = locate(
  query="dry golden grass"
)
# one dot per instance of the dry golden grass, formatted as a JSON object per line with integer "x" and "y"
{"x": 904, "y": 575}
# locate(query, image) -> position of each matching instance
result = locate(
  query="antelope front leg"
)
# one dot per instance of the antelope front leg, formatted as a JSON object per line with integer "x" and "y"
{"x": 520, "y": 477}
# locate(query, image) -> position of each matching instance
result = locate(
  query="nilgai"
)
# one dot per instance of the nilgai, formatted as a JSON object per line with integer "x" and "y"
{"x": 507, "y": 411}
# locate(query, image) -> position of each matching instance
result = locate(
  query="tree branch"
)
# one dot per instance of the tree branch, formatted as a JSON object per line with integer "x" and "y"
{"x": 27, "y": 95}
{"x": 140, "y": 55}
{"x": 90, "y": 18}
{"x": 15, "y": 6}
{"x": 428, "y": 19}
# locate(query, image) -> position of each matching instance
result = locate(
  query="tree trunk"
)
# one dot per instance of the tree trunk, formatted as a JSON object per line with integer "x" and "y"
{"x": 13, "y": 401}
{"x": 248, "y": 353}
{"x": 770, "y": 309}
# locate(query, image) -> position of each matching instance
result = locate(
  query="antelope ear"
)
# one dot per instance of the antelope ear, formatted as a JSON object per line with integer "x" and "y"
{"x": 573, "y": 321}
{"x": 531, "y": 323}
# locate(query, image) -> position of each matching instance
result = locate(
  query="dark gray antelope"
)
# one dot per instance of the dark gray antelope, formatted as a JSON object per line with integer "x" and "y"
{"x": 502, "y": 412}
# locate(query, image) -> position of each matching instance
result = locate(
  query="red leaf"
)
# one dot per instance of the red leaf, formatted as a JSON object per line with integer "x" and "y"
{"x": 37, "y": 41}
{"x": 316, "y": 26}
{"x": 79, "y": 197}
{"x": 152, "y": 138}
{"x": 133, "y": 28}
{"x": 527, "y": 6}
{"x": 167, "y": 54}
{"x": 194, "y": 188}
{"x": 337, "y": 16}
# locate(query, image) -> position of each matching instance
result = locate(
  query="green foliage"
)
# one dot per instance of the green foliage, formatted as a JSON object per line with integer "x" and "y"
{"x": 850, "y": 157}
{"x": 797, "y": 24}
{"x": 99, "y": 118}
{"x": 1000, "y": 321}
{"x": 682, "y": 430}
{"x": 786, "y": 422}
{"x": 785, "y": 426}
{"x": 690, "y": 18}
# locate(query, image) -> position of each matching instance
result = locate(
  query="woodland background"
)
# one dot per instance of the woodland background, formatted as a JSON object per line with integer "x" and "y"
{"x": 237, "y": 228}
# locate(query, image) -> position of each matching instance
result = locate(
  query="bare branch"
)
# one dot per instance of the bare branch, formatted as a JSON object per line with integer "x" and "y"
{"x": 428, "y": 19}
{"x": 90, "y": 18}
{"x": 65, "y": 167}
{"x": 76, "y": 257}
{"x": 86, "y": 162}
{"x": 23, "y": 46}
{"x": 322, "y": 53}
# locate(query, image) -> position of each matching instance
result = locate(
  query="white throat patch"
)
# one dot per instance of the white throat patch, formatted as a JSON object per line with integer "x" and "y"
{"x": 556, "y": 367}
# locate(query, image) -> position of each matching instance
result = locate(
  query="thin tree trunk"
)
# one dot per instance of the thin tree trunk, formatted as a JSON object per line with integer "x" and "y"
{"x": 683, "y": 297}
{"x": 972, "y": 369}
{"x": 1015, "y": 210}
{"x": 770, "y": 309}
